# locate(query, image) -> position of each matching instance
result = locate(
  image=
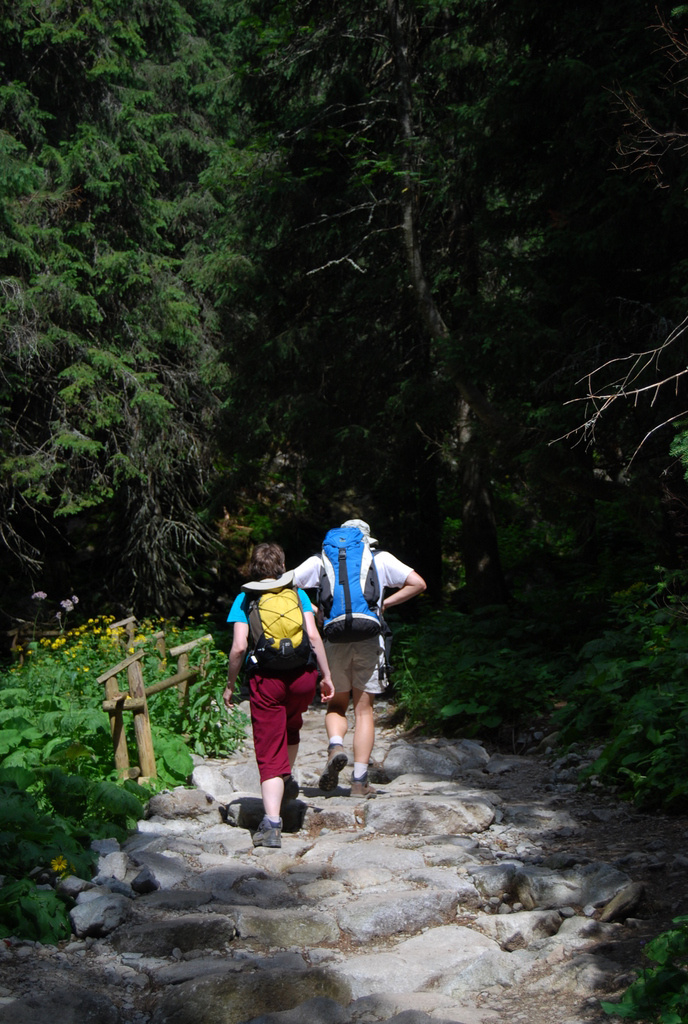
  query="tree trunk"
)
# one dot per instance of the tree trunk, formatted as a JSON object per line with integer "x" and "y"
{"x": 485, "y": 583}
{"x": 484, "y": 575}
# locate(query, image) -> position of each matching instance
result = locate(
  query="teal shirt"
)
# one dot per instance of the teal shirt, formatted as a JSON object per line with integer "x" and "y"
{"x": 239, "y": 610}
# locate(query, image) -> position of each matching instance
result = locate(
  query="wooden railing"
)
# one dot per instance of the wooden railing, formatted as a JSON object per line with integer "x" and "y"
{"x": 134, "y": 700}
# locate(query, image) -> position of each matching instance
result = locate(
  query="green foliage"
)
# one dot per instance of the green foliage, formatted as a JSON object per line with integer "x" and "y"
{"x": 659, "y": 994}
{"x": 630, "y": 692}
{"x": 474, "y": 673}
{"x": 108, "y": 374}
{"x": 58, "y": 788}
{"x": 679, "y": 446}
{"x": 34, "y": 837}
{"x": 50, "y": 709}
{"x": 33, "y": 834}
{"x": 32, "y": 913}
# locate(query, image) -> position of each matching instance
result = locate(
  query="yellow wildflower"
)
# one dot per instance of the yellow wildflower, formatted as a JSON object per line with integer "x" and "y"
{"x": 59, "y": 866}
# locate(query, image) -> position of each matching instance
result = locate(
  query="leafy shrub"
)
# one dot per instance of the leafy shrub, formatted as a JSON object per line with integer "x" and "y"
{"x": 659, "y": 993}
{"x": 477, "y": 672}
{"x": 32, "y": 913}
{"x": 50, "y": 707}
{"x": 58, "y": 786}
{"x": 630, "y": 692}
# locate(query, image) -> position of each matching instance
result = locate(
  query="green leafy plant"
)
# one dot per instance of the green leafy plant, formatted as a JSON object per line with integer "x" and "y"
{"x": 58, "y": 786}
{"x": 659, "y": 993}
{"x": 474, "y": 673}
{"x": 630, "y": 692}
{"x": 32, "y": 913}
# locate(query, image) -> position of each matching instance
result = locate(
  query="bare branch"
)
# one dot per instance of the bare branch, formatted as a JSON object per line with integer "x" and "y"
{"x": 333, "y": 263}
{"x": 629, "y": 387}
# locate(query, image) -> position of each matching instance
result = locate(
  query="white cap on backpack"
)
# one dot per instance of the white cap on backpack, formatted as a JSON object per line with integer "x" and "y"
{"x": 363, "y": 527}
{"x": 269, "y": 584}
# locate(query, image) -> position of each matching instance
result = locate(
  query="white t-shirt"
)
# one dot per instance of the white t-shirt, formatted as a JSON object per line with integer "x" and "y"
{"x": 391, "y": 572}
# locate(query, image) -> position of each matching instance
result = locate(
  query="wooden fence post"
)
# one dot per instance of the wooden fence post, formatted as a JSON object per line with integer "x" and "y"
{"x": 181, "y": 653}
{"x": 142, "y": 728}
{"x": 119, "y": 738}
{"x": 136, "y": 701}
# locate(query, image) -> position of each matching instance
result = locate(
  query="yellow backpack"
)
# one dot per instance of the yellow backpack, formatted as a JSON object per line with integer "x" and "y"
{"x": 278, "y": 631}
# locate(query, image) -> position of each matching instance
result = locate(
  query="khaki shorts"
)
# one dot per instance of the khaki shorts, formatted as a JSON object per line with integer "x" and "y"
{"x": 356, "y": 665}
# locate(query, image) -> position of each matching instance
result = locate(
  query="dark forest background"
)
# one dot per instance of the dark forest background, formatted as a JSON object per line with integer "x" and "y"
{"x": 265, "y": 266}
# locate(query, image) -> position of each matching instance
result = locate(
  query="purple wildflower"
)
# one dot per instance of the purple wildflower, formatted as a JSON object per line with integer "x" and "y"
{"x": 40, "y": 595}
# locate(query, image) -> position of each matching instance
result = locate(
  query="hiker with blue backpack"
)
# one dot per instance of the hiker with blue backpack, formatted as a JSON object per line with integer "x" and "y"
{"x": 356, "y": 584}
{"x": 274, "y": 623}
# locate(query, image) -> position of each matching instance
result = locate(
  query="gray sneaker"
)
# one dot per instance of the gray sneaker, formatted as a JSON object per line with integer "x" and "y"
{"x": 268, "y": 834}
{"x": 336, "y": 760}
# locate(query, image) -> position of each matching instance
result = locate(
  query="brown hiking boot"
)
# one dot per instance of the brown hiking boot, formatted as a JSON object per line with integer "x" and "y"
{"x": 361, "y": 787}
{"x": 336, "y": 760}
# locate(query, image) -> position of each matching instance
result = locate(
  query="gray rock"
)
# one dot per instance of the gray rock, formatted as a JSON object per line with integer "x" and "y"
{"x": 100, "y": 916}
{"x": 314, "y": 1011}
{"x": 187, "y": 932}
{"x": 625, "y": 903}
{"x": 114, "y": 885}
{"x": 329, "y": 816}
{"x": 177, "y": 900}
{"x": 539, "y": 816}
{"x": 244, "y": 778}
{"x": 286, "y": 927}
{"x": 445, "y": 854}
{"x": 238, "y": 998}
{"x": 403, "y": 758}
{"x": 105, "y": 846}
{"x": 170, "y": 871}
{"x": 500, "y": 764}
{"x": 71, "y": 886}
{"x": 495, "y": 879}
{"x": 468, "y": 753}
{"x": 264, "y": 892}
{"x": 145, "y": 881}
{"x": 378, "y": 916}
{"x": 421, "y": 962}
{"x": 583, "y": 884}
{"x": 182, "y": 803}
{"x": 518, "y": 931}
{"x": 491, "y": 967}
{"x": 212, "y": 779}
{"x": 347, "y": 923}
{"x": 66, "y": 1004}
{"x": 383, "y": 854}
{"x": 114, "y": 865}
{"x": 428, "y": 815}
{"x": 586, "y": 973}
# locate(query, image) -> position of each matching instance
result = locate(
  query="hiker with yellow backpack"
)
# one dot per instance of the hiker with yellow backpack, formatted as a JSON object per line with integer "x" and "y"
{"x": 274, "y": 623}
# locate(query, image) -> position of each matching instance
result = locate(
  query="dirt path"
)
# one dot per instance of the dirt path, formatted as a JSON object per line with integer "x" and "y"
{"x": 471, "y": 888}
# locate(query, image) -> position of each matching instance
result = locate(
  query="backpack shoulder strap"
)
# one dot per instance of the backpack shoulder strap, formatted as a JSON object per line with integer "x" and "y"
{"x": 254, "y": 623}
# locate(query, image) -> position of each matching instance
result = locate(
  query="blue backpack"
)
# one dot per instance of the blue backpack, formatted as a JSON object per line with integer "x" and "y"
{"x": 349, "y": 588}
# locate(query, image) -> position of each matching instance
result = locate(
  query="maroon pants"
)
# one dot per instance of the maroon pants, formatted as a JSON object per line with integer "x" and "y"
{"x": 277, "y": 707}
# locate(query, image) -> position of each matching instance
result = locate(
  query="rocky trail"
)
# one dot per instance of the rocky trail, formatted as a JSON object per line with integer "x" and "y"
{"x": 473, "y": 887}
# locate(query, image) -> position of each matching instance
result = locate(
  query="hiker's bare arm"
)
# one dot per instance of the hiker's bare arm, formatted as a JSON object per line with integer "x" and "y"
{"x": 237, "y": 654}
{"x": 326, "y": 684}
{"x": 413, "y": 585}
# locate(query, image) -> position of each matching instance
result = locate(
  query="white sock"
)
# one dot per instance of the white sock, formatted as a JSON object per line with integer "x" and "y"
{"x": 360, "y": 769}
{"x": 336, "y": 741}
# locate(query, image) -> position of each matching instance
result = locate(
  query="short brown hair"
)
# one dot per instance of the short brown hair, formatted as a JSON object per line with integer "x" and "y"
{"x": 267, "y": 561}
